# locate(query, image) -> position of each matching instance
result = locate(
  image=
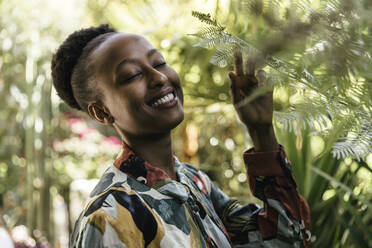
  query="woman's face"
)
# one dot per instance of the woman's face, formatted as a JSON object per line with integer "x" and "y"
{"x": 139, "y": 89}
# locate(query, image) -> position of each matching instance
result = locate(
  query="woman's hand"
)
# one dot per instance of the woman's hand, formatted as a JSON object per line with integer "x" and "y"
{"x": 257, "y": 114}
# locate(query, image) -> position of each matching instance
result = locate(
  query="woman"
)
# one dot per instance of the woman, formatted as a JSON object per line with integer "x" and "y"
{"x": 148, "y": 198}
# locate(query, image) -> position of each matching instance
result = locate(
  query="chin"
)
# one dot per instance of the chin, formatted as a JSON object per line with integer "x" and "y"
{"x": 177, "y": 122}
{"x": 172, "y": 123}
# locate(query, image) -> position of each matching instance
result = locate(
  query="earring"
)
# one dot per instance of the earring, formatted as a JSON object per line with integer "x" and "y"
{"x": 100, "y": 115}
{"x": 110, "y": 118}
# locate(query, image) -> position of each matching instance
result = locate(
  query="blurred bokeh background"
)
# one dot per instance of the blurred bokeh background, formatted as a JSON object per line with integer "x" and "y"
{"x": 51, "y": 156}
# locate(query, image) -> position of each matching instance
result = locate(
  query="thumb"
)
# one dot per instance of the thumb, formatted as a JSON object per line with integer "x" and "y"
{"x": 231, "y": 76}
{"x": 233, "y": 88}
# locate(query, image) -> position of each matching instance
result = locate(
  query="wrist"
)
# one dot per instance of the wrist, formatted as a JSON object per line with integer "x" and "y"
{"x": 263, "y": 138}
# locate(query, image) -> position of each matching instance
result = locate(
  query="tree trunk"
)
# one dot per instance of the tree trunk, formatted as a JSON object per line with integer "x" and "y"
{"x": 29, "y": 146}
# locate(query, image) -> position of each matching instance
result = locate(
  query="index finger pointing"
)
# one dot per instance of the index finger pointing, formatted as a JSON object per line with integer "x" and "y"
{"x": 238, "y": 63}
{"x": 250, "y": 66}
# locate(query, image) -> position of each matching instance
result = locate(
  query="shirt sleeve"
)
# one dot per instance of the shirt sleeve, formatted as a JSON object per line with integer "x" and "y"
{"x": 95, "y": 231}
{"x": 86, "y": 234}
{"x": 284, "y": 219}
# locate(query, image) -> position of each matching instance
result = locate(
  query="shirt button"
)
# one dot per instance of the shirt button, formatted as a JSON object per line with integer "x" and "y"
{"x": 195, "y": 208}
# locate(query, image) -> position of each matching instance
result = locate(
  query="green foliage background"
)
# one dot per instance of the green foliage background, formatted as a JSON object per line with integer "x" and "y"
{"x": 45, "y": 146}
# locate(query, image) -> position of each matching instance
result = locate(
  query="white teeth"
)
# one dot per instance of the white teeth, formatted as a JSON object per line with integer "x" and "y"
{"x": 163, "y": 100}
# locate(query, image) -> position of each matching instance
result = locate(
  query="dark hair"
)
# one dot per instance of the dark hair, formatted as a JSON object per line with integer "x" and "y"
{"x": 71, "y": 71}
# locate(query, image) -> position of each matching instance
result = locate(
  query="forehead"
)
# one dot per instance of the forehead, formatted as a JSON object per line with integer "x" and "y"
{"x": 120, "y": 46}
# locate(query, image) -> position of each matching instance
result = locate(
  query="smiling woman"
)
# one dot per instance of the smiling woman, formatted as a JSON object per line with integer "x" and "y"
{"x": 135, "y": 83}
{"x": 148, "y": 198}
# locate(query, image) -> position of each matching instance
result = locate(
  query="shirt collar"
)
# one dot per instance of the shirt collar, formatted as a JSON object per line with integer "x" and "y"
{"x": 133, "y": 165}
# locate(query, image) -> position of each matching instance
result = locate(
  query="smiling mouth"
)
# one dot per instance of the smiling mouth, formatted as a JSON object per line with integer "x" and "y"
{"x": 167, "y": 101}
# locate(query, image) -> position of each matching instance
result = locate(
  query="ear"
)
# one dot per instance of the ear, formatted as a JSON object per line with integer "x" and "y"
{"x": 100, "y": 113}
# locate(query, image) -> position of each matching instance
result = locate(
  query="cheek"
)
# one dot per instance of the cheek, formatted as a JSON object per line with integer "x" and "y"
{"x": 115, "y": 102}
{"x": 123, "y": 112}
{"x": 173, "y": 76}
{"x": 178, "y": 86}
{"x": 175, "y": 79}
{"x": 127, "y": 101}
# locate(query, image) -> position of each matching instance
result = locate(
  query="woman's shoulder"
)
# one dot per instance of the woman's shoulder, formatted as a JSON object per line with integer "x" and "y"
{"x": 120, "y": 199}
{"x": 116, "y": 188}
{"x": 115, "y": 200}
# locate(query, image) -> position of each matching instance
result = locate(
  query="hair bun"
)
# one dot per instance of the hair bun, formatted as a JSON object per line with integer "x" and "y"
{"x": 67, "y": 56}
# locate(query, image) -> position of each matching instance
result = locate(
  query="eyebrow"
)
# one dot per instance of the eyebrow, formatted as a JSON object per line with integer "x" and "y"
{"x": 151, "y": 52}
{"x": 132, "y": 61}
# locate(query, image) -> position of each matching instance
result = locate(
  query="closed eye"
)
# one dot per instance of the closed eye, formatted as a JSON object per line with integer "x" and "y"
{"x": 131, "y": 78}
{"x": 159, "y": 64}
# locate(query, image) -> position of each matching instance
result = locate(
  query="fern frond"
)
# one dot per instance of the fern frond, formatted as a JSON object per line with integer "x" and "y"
{"x": 206, "y": 32}
{"x": 222, "y": 57}
{"x": 329, "y": 67}
{"x": 358, "y": 146}
{"x": 206, "y": 18}
{"x": 260, "y": 7}
{"x": 294, "y": 117}
{"x": 218, "y": 40}
{"x": 254, "y": 7}
{"x": 210, "y": 42}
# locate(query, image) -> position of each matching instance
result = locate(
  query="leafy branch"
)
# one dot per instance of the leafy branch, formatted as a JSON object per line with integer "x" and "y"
{"x": 322, "y": 54}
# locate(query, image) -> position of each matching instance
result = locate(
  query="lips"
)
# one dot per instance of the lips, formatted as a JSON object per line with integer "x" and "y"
{"x": 164, "y": 98}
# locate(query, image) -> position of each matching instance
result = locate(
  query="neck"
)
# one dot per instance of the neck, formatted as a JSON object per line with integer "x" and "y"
{"x": 155, "y": 149}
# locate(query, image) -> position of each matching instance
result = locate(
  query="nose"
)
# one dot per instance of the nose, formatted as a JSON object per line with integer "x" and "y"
{"x": 157, "y": 78}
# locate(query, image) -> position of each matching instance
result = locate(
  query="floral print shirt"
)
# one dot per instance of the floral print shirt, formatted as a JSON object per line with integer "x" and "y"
{"x": 136, "y": 204}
